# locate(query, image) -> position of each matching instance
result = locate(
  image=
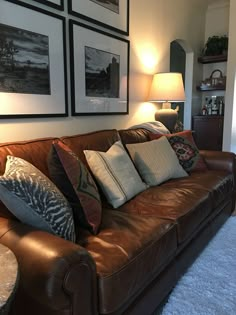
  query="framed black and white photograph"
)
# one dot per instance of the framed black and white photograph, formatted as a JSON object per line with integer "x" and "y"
{"x": 57, "y": 4}
{"x": 99, "y": 71}
{"x": 111, "y": 14}
{"x": 33, "y": 79}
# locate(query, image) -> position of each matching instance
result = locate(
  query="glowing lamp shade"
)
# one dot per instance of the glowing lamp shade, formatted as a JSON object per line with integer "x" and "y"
{"x": 167, "y": 87}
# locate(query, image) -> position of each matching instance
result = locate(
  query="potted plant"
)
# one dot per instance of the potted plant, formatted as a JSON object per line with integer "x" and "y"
{"x": 216, "y": 45}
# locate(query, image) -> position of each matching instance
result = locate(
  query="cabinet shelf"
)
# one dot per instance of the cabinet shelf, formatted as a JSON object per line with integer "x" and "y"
{"x": 212, "y": 59}
{"x": 210, "y": 88}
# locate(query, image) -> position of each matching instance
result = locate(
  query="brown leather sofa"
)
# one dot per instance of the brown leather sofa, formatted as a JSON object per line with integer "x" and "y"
{"x": 142, "y": 248}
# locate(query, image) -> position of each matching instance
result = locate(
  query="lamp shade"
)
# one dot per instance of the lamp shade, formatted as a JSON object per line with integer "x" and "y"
{"x": 167, "y": 87}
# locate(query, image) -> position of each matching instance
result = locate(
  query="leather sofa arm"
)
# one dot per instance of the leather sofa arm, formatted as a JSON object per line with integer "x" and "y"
{"x": 58, "y": 275}
{"x": 221, "y": 160}
{"x": 218, "y": 160}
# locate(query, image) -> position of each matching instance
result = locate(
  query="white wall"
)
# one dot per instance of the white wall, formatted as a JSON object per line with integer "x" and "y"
{"x": 217, "y": 23}
{"x": 153, "y": 25}
{"x": 229, "y": 139}
{"x": 220, "y": 20}
{"x": 217, "y": 18}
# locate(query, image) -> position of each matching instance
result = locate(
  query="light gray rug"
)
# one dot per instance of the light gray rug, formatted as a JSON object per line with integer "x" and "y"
{"x": 209, "y": 286}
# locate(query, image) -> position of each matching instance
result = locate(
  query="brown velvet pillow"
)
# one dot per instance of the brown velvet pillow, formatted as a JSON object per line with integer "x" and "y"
{"x": 186, "y": 150}
{"x": 74, "y": 180}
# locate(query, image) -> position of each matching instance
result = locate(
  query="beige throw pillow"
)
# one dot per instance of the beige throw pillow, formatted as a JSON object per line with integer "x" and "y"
{"x": 115, "y": 173}
{"x": 156, "y": 161}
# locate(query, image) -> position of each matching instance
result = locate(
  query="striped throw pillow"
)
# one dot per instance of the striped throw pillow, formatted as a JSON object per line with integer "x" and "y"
{"x": 115, "y": 173}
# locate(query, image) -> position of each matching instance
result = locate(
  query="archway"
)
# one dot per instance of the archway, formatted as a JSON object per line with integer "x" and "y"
{"x": 181, "y": 60}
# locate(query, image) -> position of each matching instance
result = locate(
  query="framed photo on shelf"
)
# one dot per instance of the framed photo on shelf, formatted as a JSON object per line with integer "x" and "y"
{"x": 111, "y": 14}
{"x": 33, "y": 80}
{"x": 57, "y": 4}
{"x": 99, "y": 71}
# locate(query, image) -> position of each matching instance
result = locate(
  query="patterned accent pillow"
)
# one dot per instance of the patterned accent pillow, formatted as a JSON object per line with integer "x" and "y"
{"x": 185, "y": 149}
{"x": 74, "y": 180}
{"x": 115, "y": 174}
{"x": 156, "y": 161}
{"x": 34, "y": 199}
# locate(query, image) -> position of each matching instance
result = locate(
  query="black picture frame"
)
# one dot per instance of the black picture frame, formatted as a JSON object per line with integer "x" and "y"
{"x": 99, "y": 71}
{"x": 56, "y": 4}
{"x": 18, "y": 97}
{"x": 92, "y": 11}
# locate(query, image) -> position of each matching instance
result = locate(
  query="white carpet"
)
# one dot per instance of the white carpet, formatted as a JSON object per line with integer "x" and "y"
{"x": 209, "y": 286}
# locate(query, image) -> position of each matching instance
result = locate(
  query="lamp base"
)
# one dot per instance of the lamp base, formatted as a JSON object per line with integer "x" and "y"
{"x": 166, "y": 105}
{"x": 168, "y": 117}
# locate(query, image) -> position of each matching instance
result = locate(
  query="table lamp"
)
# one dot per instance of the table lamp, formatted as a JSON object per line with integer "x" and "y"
{"x": 167, "y": 87}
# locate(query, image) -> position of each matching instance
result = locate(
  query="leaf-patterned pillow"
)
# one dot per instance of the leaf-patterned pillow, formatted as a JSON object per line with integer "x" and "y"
{"x": 35, "y": 200}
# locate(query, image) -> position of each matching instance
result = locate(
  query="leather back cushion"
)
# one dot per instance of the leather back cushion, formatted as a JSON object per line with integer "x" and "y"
{"x": 129, "y": 136}
{"x": 34, "y": 151}
{"x": 98, "y": 140}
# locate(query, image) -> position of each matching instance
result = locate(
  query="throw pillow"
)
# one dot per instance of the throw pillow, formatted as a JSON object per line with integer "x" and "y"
{"x": 186, "y": 150}
{"x": 115, "y": 174}
{"x": 74, "y": 180}
{"x": 156, "y": 161}
{"x": 34, "y": 199}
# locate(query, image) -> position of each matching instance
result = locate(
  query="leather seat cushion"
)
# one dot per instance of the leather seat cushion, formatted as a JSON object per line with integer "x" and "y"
{"x": 129, "y": 251}
{"x": 185, "y": 206}
{"x": 185, "y": 201}
{"x": 218, "y": 183}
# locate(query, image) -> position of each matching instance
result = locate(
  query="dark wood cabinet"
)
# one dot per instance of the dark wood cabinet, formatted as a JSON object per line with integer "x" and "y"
{"x": 208, "y": 132}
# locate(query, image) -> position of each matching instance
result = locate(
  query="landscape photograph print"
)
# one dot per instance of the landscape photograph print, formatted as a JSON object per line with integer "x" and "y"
{"x": 110, "y": 14}
{"x": 24, "y": 61}
{"x": 99, "y": 71}
{"x": 112, "y": 5}
{"x": 102, "y": 73}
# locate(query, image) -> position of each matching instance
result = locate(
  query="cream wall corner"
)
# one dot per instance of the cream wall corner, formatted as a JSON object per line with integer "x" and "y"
{"x": 229, "y": 138}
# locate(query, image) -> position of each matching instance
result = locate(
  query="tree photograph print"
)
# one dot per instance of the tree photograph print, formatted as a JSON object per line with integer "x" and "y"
{"x": 24, "y": 61}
